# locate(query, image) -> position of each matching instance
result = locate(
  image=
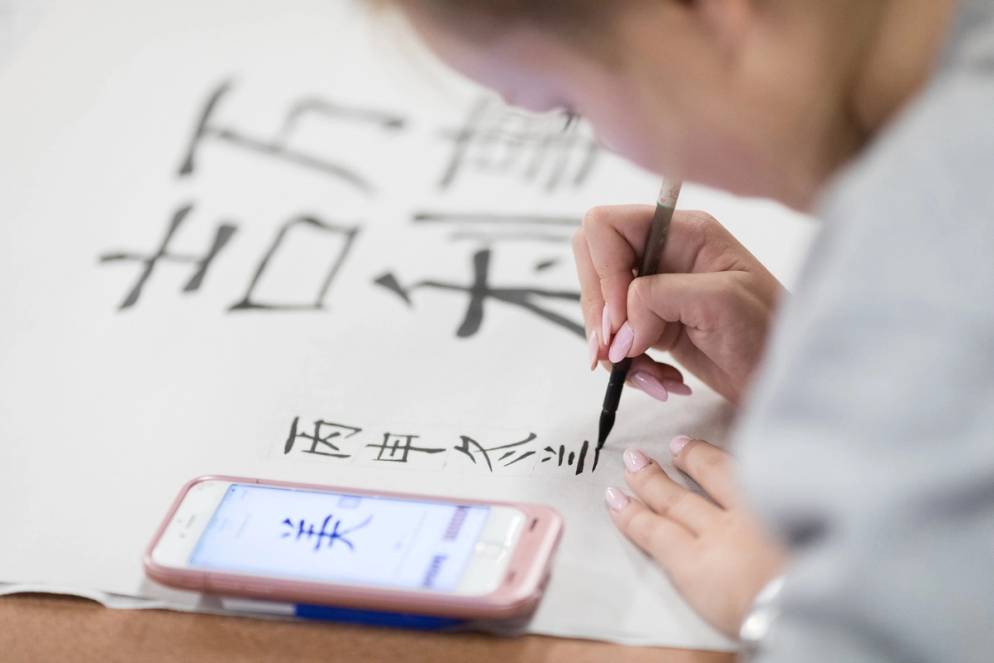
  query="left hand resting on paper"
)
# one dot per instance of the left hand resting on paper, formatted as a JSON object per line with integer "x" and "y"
{"x": 716, "y": 553}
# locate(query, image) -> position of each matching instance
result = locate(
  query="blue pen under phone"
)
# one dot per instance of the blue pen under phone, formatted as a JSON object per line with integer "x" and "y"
{"x": 342, "y": 615}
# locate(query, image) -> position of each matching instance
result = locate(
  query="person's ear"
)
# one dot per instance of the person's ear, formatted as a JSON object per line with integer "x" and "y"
{"x": 728, "y": 20}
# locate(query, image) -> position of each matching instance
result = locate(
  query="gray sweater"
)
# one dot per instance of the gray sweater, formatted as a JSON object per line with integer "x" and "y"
{"x": 868, "y": 443}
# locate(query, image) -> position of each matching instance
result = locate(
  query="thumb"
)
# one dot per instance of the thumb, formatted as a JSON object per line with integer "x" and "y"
{"x": 660, "y": 306}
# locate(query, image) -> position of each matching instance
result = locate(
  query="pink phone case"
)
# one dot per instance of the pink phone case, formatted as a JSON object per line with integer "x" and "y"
{"x": 516, "y": 596}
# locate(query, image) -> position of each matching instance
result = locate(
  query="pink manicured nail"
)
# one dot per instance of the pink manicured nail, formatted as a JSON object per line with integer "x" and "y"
{"x": 615, "y": 499}
{"x": 634, "y": 459}
{"x": 678, "y": 388}
{"x": 622, "y": 343}
{"x": 606, "y": 326}
{"x": 678, "y": 443}
{"x": 595, "y": 349}
{"x": 650, "y": 385}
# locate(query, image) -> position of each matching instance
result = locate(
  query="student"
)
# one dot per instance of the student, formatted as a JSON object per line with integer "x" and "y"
{"x": 866, "y": 429}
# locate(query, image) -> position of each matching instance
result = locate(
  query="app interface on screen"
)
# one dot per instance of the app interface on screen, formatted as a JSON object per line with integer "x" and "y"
{"x": 334, "y": 537}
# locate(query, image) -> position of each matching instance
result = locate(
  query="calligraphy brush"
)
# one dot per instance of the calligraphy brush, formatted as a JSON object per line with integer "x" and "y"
{"x": 653, "y": 253}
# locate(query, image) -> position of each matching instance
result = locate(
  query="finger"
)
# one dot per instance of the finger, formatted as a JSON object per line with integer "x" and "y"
{"x": 667, "y": 541}
{"x": 662, "y": 370}
{"x": 658, "y": 306}
{"x": 699, "y": 243}
{"x": 666, "y": 497}
{"x": 695, "y": 238}
{"x": 591, "y": 300}
{"x": 615, "y": 236}
{"x": 656, "y": 379}
{"x": 708, "y": 465}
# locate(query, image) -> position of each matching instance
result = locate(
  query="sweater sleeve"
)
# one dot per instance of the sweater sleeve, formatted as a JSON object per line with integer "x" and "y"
{"x": 869, "y": 441}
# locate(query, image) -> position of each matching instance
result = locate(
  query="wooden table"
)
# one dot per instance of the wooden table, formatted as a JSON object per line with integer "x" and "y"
{"x": 38, "y": 628}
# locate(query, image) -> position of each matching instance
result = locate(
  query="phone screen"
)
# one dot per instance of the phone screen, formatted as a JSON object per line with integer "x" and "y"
{"x": 341, "y": 538}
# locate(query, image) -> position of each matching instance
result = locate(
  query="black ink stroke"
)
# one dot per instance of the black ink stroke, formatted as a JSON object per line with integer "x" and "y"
{"x": 480, "y": 290}
{"x": 347, "y": 235}
{"x": 201, "y": 264}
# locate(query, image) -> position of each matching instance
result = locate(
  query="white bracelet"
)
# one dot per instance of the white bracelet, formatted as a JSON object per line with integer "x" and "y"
{"x": 759, "y": 622}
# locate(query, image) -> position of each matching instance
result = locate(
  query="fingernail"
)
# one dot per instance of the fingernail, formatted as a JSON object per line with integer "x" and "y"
{"x": 615, "y": 499}
{"x": 606, "y": 326}
{"x": 678, "y": 388}
{"x": 634, "y": 459}
{"x": 650, "y": 385}
{"x": 595, "y": 349}
{"x": 622, "y": 343}
{"x": 678, "y": 443}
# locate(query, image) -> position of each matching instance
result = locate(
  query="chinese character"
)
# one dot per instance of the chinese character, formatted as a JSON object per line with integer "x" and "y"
{"x": 308, "y": 532}
{"x": 499, "y": 141}
{"x": 279, "y": 147}
{"x": 512, "y": 453}
{"x": 321, "y": 439}
{"x": 339, "y": 241}
{"x": 572, "y": 459}
{"x": 396, "y": 448}
{"x": 480, "y": 290}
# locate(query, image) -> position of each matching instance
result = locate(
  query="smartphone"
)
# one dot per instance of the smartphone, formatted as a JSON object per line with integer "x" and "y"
{"x": 390, "y": 552}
